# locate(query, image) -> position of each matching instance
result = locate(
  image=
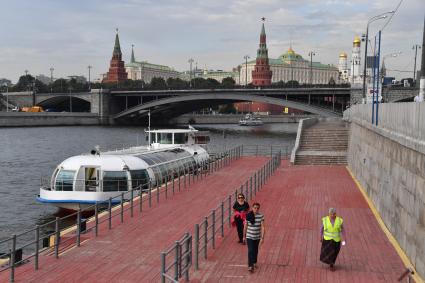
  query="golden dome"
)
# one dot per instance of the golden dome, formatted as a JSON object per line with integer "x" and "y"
{"x": 356, "y": 41}
{"x": 290, "y": 51}
{"x": 343, "y": 55}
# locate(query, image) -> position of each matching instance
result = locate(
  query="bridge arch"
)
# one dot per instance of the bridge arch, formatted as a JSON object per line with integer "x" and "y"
{"x": 68, "y": 103}
{"x": 224, "y": 98}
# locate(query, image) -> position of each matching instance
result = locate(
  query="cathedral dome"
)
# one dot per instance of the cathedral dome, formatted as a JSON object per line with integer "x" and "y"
{"x": 343, "y": 55}
{"x": 356, "y": 41}
{"x": 290, "y": 55}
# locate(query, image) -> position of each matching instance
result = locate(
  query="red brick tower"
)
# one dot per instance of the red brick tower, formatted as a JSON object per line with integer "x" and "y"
{"x": 117, "y": 71}
{"x": 261, "y": 75}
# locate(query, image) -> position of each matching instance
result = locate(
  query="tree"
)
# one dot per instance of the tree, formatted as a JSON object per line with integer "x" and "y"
{"x": 158, "y": 83}
{"x": 228, "y": 82}
{"x": 227, "y": 108}
{"x": 176, "y": 83}
{"x": 331, "y": 82}
{"x": 292, "y": 84}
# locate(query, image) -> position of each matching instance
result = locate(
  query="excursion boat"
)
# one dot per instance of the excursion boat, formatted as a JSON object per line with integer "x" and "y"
{"x": 250, "y": 120}
{"x": 83, "y": 180}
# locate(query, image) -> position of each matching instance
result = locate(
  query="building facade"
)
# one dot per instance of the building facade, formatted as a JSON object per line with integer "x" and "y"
{"x": 117, "y": 71}
{"x": 291, "y": 66}
{"x": 146, "y": 71}
{"x": 344, "y": 74}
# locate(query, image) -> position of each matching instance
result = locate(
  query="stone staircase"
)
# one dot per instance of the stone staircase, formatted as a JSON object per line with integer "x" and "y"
{"x": 324, "y": 143}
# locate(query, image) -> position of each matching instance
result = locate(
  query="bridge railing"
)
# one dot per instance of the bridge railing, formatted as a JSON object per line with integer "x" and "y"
{"x": 55, "y": 236}
{"x": 214, "y": 224}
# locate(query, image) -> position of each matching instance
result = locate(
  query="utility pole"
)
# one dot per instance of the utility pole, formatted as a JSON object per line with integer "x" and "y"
{"x": 311, "y": 54}
{"x": 246, "y": 57}
{"x": 415, "y": 47}
{"x": 51, "y": 79}
{"x": 190, "y": 72}
{"x": 422, "y": 82}
{"x": 89, "y": 67}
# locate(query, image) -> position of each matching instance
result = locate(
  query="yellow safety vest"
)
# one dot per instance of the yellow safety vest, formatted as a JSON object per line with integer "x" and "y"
{"x": 332, "y": 232}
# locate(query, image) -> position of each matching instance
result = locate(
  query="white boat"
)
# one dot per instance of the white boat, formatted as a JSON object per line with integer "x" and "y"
{"x": 81, "y": 181}
{"x": 250, "y": 120}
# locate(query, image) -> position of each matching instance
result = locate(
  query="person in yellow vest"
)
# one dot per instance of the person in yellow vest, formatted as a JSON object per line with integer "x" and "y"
{"x": 332, "y": 235}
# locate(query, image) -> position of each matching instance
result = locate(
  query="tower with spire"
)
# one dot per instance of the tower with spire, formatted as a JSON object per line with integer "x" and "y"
{"x": 355, "y": 61}
{"x": 116, "y": 71}
{"x": 262, "y": 75}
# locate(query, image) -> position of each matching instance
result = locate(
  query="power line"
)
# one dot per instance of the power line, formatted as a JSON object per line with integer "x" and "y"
{"x": 392, "y": 15}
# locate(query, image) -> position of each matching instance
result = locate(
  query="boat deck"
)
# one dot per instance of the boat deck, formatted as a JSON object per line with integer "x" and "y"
{"x": 293, "y": 201}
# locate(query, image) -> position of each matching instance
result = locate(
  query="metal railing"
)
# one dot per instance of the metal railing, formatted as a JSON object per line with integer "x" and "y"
{"x": 46, "y": 240}
{"x": 182, "y": 261}
{"x": 205, "y": 232}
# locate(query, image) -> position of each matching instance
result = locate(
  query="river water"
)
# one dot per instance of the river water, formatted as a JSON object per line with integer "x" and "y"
{"x": 27, "y": 154}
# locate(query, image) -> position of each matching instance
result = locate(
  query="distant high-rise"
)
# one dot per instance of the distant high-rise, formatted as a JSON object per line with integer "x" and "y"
{"x": 117, "y": 71}
{"x": 261, "y": 75}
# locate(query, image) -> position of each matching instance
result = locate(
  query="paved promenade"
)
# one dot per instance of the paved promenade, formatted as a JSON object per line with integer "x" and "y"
{"x": 293, "y": 201}
{"x": 130, "y": 252}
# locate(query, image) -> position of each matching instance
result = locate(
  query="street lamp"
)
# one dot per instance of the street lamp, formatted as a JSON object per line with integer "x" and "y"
{"x": 70, "y": 98}
{"x": 415, "y": 47}
{"x": 51, "y": 79}
{"x": 246, "y": 57}
{"x": 190, "y": 72}
{"x": 311, "y": 54}
{"x": 374, "y": 18}
{"x": 7, "y": 96}
{"x": 89, "y": 67}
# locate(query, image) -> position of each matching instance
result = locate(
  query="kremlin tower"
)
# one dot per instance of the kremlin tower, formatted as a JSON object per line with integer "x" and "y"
{"x": 117, "y": 71}
{"x": 261, "y": 75}
{"x": 355, "y": 61}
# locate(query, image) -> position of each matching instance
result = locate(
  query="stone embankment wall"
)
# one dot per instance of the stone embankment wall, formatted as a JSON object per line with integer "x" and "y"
{"x": 389, "y": 162}
{"x": 389, "y": 94}
{"x": 23, "y": 119}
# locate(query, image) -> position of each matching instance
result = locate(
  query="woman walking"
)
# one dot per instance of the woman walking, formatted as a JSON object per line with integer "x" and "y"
{"x": 332, "y": 235}
{"x": 240, "y": 208}
{"x": 254, "y": 231}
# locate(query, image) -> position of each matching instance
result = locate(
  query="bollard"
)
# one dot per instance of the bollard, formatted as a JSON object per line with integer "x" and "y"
{"x": 122, "y": 207}
{"x": 158, "y": 186}
{"x": 222, "y": 219}
{"x": 96, "y": 218}
{"x": 205, "y": 237}
{"x": 163, "y": 256}
{"x": 196, "y": 256}
{"x": 37, "y": 248}
{"x": 131, "y": 202}
{"x": 12, "y": 259}
{"x": 57, "y": 237}
{"x": 110, "y": 213}
{"x": 255, "y": 183}
{"x": 187, "y": 258}
{"x": 174, "y": 178}
{"x": 78, "y": 227}
{"x": 179, "y": 180}
{"x": 213, "y": 229}
{"x": 166, "y": 186}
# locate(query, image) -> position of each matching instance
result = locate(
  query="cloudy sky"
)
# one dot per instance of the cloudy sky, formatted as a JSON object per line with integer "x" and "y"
{"x": 70, "y": 35}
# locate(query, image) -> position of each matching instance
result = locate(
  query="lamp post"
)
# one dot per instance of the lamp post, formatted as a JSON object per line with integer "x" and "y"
{"x": 70, "y": 98}
{"x": 415, "y": 47}
{"x": 7, "y": 96}
{"x": 311, "y": 54}
{"x": 239, "y": 71}
{"x": 89, "y": 67}
{"x": 374, "y": 18}
{"x": 190, "y": 72}
{"x": 51, "y": 79}
{"x": 246, "y": 57}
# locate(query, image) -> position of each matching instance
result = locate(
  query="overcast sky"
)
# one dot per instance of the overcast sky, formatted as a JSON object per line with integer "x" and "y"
{"x": 70, "y": 35}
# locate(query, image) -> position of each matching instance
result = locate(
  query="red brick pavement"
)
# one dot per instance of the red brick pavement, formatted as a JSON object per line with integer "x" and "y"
{"x": 293, "y": 201}
{"x": 130, "y": 252}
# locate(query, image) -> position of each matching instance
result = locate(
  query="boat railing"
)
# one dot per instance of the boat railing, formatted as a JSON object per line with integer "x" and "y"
{"x": 214, "y": 224}
{"x": 57, "y": 235}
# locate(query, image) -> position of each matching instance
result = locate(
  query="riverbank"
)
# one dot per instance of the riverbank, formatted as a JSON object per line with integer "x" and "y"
{"x": 27, "y": 119}
{"x": 234, "y": 118}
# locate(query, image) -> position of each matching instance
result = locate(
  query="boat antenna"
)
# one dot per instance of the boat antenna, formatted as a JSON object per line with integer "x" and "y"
{"x": 149, "y": 128}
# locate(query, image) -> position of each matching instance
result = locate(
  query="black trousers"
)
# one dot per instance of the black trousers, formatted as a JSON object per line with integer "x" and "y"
{"x": 252, "y": 251}
{"x": 239, "y": 227}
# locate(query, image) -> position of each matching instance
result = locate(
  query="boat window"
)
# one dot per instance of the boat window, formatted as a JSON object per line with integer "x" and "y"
{"x": 139, "y": 179}
{"x": 202, "y": 139}
{"x": 65, "y": 180}
{"x": 180, "y": 138}
{"x": 165, "y": 138}
{"x": 153, "y": 138}
{"x": 115, "y": 181}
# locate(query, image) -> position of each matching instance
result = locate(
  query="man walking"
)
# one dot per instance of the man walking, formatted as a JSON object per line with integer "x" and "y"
{"x": 332, "y": 234}
{"x": 254, "y": 231}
